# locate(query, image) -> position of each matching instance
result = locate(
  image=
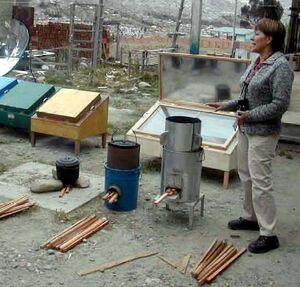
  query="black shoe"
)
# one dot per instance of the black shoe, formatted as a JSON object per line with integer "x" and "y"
{"x": 243, "y": 224}
{"x": 263, "y": 244}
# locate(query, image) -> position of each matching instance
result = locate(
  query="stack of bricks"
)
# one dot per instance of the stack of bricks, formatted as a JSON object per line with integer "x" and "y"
{"x": 51, "y": 35}
{"x": 54, "y": 35}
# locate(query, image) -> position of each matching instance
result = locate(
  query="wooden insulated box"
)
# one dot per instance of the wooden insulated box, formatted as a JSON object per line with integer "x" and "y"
{"x": 19, "y": 104}
{"x": 186, "y": 83}
{"x": 291, "y": 119}
{"x": 72, "y": 114}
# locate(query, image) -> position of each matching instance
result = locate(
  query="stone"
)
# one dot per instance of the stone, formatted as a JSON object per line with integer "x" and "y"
{"x": 50, "y": 252}
{"x": 46, "y": 185}
{"x": 82, "y": 182}
{"x": 143, "y": 85}
{"x": 54, "y": 173}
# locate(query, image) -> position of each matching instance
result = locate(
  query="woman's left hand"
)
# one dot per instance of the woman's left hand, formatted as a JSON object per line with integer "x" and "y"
{"x": 241, "y": 118}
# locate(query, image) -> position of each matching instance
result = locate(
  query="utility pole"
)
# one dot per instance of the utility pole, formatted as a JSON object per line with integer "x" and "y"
{"x": 294, "y": 29}
{"x": 196, "y": 26}
{"x": 234, "y": 26}
{"x": 178, "y": 24}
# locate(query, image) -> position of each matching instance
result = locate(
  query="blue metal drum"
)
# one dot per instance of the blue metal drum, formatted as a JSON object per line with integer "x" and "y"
{"x": 126, "y": 183}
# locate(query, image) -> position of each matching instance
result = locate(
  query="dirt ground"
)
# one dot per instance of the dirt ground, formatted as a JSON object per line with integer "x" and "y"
{"x": 148, "y": 228}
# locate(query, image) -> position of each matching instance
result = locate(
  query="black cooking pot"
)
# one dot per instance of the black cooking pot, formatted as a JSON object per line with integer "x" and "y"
{"x": 67, "y": 169}
{"x": 123, "y": 154}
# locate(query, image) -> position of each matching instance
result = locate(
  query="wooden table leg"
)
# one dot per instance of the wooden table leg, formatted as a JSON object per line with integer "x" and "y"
{"x": 103, "y": 136}
{"x": 226, "y": 179}
{"x": 32, "y": 139}
{"x": 77, "y": 147}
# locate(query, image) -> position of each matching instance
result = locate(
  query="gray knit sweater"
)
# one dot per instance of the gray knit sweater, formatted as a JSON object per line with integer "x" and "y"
{"x": 268, "y": 94}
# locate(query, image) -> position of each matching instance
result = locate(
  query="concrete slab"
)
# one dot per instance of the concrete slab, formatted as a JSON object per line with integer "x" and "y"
{"x": 15, "y": 183}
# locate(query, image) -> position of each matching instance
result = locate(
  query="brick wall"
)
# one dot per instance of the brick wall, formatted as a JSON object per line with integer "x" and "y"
{"x": 54, "y": 35}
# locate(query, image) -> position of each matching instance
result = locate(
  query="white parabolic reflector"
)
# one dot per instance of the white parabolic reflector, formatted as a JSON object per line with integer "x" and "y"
{"x": 14, "y": 38}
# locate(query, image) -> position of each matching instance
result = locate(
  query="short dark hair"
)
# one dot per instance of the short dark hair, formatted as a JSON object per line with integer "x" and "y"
{"x": 274, "y": 29}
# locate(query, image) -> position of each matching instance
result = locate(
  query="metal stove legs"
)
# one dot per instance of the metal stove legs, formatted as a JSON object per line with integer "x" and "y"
{"x": 192, "y": 209}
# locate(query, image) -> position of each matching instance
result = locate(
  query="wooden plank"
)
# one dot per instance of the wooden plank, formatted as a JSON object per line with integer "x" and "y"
{"x": 115, "y": 263}
{"x": 68, "y": 104}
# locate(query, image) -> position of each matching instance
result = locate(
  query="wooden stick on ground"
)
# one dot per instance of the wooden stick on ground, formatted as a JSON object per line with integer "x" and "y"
{"x": 115, "y": 263}
{"x": 174, "y": 265}
{"x": 185, "y": 263}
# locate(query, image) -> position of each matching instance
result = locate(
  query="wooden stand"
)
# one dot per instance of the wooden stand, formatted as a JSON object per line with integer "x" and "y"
{"x": 92, "y": 123}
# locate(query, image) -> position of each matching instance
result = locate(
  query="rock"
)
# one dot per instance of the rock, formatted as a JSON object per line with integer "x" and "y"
{"x": 82, "y": 182}
{"x": 50, "y": 252}
{"x": 46, "y": 185}
{"x": 54, "y": 173}
{"x": 143, "y": 85}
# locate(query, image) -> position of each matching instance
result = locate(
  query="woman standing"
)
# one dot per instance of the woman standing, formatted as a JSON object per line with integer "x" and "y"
{"x": 265, "y": 95}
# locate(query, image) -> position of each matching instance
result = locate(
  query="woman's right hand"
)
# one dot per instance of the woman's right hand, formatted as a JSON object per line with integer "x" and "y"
{"x": 218, "y": 106}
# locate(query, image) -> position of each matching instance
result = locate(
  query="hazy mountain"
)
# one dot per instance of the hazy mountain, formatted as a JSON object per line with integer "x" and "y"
{"x": 154, "y": 12}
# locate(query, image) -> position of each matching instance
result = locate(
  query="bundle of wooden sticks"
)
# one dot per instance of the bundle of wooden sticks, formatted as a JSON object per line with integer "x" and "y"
{"x": 15, "y": 206}
{"x": 76, "y": 233}
{"x": 215, "y": 260}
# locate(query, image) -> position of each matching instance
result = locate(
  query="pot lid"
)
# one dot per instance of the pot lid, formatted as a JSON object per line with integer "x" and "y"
{"x": 68, "y": 161}
{"x": 123, "y": 143}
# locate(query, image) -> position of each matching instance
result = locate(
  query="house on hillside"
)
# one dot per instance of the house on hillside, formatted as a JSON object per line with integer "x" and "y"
{"x": 241, "y": 34}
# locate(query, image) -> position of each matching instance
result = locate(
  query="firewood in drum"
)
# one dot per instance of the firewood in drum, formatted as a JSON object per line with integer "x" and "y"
{"x": 161, "y": 198}
{"x": 106, "y": 196}
{"x": 114, "y": 198}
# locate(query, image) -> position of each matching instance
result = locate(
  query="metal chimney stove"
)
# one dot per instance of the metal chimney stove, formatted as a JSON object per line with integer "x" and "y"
{"x": 181, "y": 165}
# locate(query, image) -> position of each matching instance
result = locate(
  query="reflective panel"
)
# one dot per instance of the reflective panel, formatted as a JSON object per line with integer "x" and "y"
{"x": 216, "y": 129}
{"x": 12, "y": 45}
{"x": 199, "y": 79}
